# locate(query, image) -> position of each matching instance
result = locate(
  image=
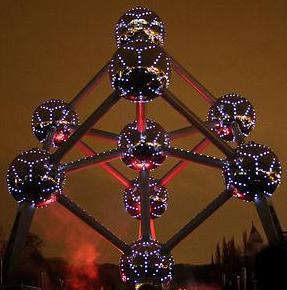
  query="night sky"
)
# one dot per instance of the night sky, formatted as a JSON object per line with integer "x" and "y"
{"x": 51, "y": 49}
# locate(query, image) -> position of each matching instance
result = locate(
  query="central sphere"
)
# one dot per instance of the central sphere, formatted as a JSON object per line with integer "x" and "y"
{"x": 139, "y": 23}
{"x": 158, "y": 196}
{"x": 146, "y": 264}
{"x": 57, "y": 114}
{"x": 143, "y": 150}
{"x": 255, "y": 171}
{"x": 139, "y": 71}
{"x": 34, "y": 178}
{"x": 229, "y": 109}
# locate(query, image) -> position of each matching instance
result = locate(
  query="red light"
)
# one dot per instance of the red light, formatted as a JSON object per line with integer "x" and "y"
{"x": 60, "y": 137}
{"x": 237, "y": 193}
{"x": 139, "y": 165}
{"x": 224, "y": 132}
{"x": 52, "y": 199}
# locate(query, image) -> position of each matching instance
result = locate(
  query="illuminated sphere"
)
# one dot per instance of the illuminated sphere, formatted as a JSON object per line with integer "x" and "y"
{"x": 143, "y": 150}
{"x": 146, "y": 264}
{"x": 228, "y": 109}
{"x": 140, "y": 23}
{"x": 32, "y": 177}
{"x": 139, "y": 71}
{"x": 255, "y": 171}
{"x": 54, "y": 113}
{"x": 158, "y": 199}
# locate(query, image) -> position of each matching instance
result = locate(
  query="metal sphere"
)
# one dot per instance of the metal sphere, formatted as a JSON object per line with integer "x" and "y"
{"x": 228, "y": 109}
{"x": 32, "y": 177}
{"x": 140, "y": 70}
{"x": 143, "y": 150}
{"x": 255, "y": 171}
{"x": 140, "y": 23}
{"x": 158, "y": 199}
{"x": 146, "y": 264}
{"x": 54, "y": 113}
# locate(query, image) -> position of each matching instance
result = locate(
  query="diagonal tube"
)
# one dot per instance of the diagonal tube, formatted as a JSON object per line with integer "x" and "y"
{"x": 86, "y": 90}
{"x": 181, "y": 165}
{"x": 193, "y": 156}
{"x": 194, "y": 120}
{"x": 92, "y": 160}
{"x": 86, "y": 126}
{"x": 88, "y": 151}
{"x": 93, "y": 223}
{"x": 191, "y": 80}
{"x": 184, "y": 132}
{"x": 197, "y": 220}
{"x": 105, "y": 135}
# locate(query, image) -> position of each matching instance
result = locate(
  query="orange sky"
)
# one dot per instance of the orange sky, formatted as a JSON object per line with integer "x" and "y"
{"x": 50, "y": 49}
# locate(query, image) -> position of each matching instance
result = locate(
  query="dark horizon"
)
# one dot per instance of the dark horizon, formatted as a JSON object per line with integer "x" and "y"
{"x": 51, "y": 49}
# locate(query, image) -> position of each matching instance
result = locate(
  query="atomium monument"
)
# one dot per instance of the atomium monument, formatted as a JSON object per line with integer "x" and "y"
{"x": 140, "y": 71}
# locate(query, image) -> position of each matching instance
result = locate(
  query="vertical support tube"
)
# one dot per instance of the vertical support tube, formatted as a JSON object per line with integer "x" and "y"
{"x": 141, "y": 121}
{"x": 145, "y": 204}
{"x": 239, "y": 137}
{"x": 152, "y": 229}
{"x": 49, "y": 139}
{"x": 272, "y": 231}
{"x": 16, "y": 243}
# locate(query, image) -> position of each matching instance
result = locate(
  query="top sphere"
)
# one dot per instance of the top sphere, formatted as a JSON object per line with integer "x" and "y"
{"x": 139, "y": 23}
{"x": 229, "y": 109}
{"x": 140, "y": 71}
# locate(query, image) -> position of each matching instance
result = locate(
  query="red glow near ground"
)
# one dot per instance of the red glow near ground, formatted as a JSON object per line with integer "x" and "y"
{"x": 84, "y": 269}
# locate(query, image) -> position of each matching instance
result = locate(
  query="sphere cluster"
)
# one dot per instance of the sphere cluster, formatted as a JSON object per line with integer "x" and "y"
{"x": 143, "y": 150}
{"x": 139, "y": 23}
{"x": 57, "y": 114}
{"x": 146, "y": 263}
{"x": 140, "y": 70}
{"x": 33, "y": 177}
{"x": 158, "y": 199}
{"x": 255, "y": 171}
{"x": 228, "y": 109}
